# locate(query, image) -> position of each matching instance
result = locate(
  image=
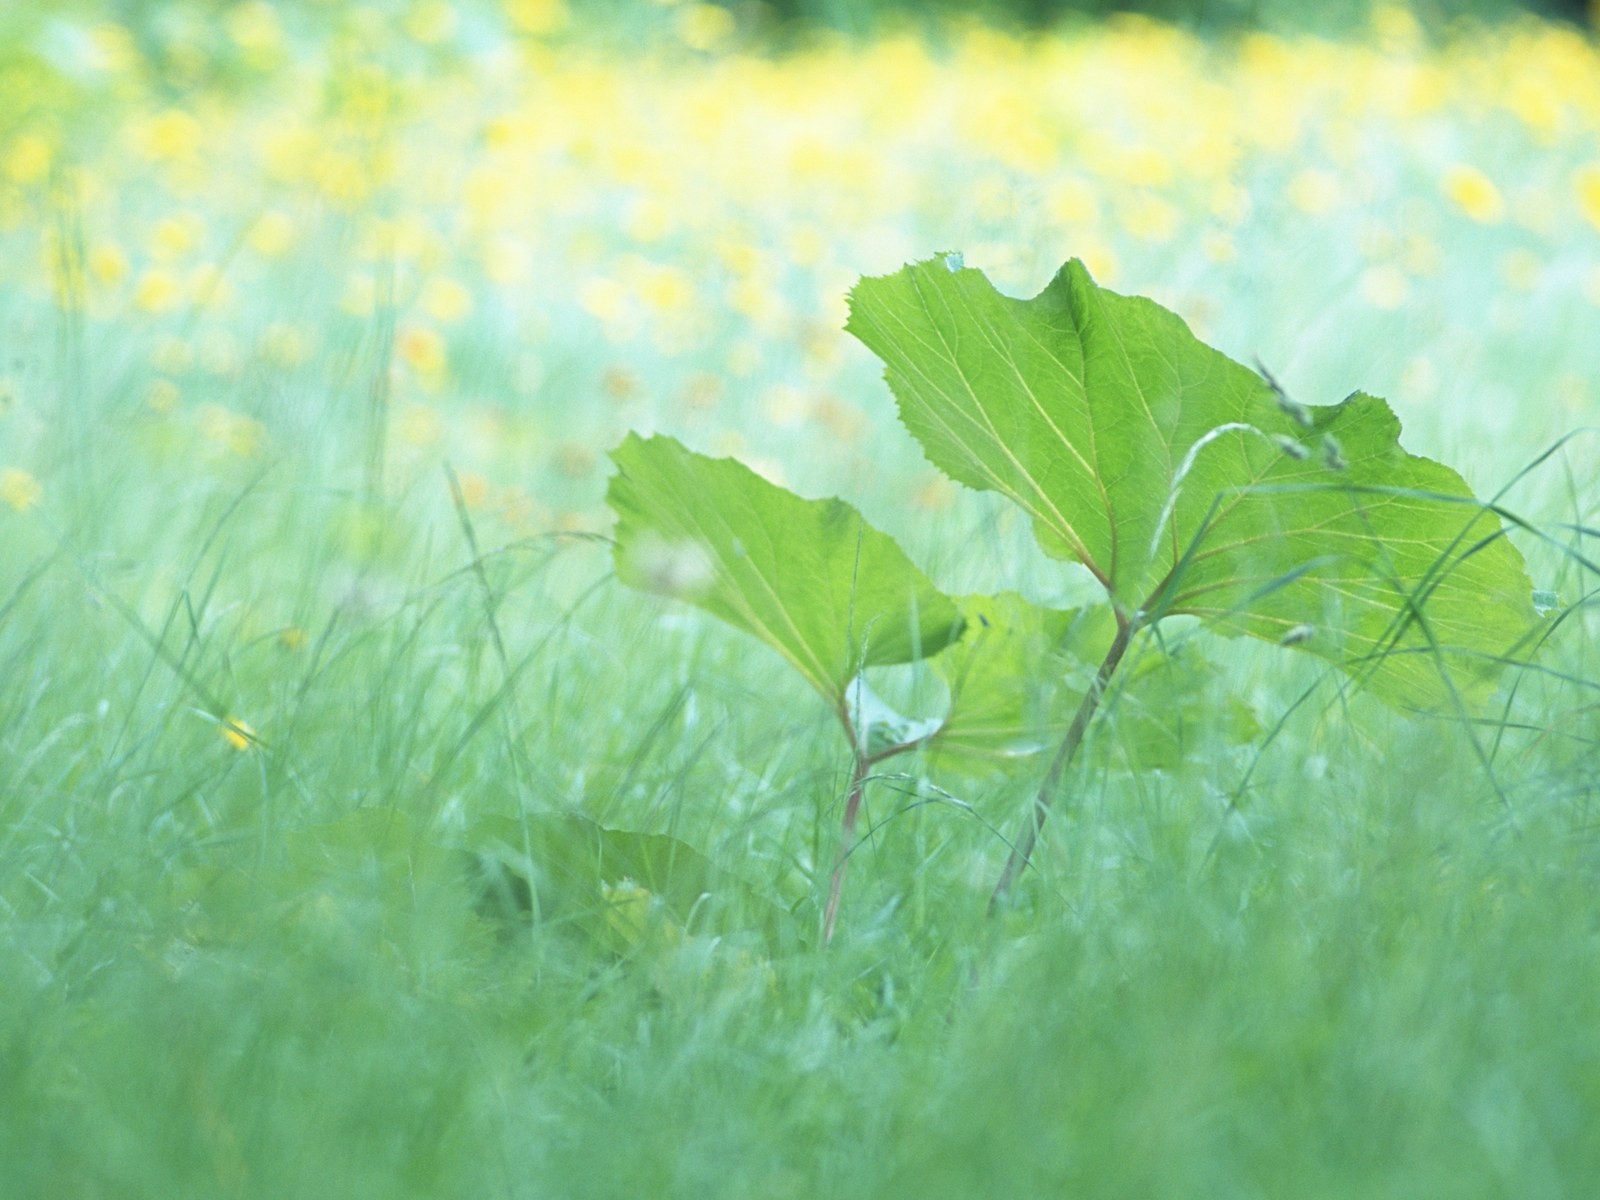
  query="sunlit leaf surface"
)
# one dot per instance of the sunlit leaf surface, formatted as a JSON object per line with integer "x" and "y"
{"x": 809, "y": 577}
{"x": 1186, "y": 484}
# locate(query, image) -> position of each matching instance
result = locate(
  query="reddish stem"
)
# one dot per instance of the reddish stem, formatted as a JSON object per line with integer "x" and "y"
{"x": 847, "y": 830}
{"x": 1023, "y": 850}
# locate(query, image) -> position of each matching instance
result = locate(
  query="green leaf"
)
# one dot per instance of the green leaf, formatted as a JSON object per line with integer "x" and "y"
{"x": 1017, "y": 675}
{"x": 1165, "y": 715}
{"x": 809, "y": 577}
{"x": 1186, "y": 484}
{"x": 1014, "y": 678}
{"x": 589, "y": 876}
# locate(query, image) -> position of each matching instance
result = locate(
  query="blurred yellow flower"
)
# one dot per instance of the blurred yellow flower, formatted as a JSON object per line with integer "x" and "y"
{"x": 603, "y": 298}
{"x": 1474, "y": 194}
{"x": 175, "y": 236}
{"x": 360, "y": 295}
{"x": 170, "y": 134}
{"x": 112, "y": 49}
{"x": 419, "y": 425}
{"x": 422, "y": 349}
{"x": 474, "y": 488}
{"x": 1219, "y": 247}
{"x": 272, "y": 235}
{"x": 1586, "y": 185}
{"x": 255, "y": 29}
{"x": 574, "y": 460}
{"x": 1150, "y": 218}
{"x": 705, "y": 26}
{"x": 343, "y": 177}
{"x": 702, "y": 393}
{"x": 446, "y": 301}
{"x": 237, "y": 733}
{"x": 285, "y": 344}
{"x": 937, "y": 494}
{"x": 28, "y": 159}
{"x": 172, "y": 356}
{"x": 619, "y": 384}
{"x": 430, "y": 22}
{"x": 667, "y": 289}
{"x": 1315, "y": 192}
{"x": 19, "y": 490}
{"x": 1385, "y": 287}
{"x": 157, "y": 292}
{"x": 648, "y": 220}
{"x": 231, "y": 432}
{"x": 163, "y": 396}
{"x": 108, "y": 264}
{"x": 538, "y": 17}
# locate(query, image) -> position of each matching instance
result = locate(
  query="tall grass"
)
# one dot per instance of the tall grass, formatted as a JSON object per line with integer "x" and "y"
{"x": 259, "y": 696}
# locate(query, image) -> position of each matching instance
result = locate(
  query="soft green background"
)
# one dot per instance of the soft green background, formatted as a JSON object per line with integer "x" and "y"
{"x": 1353, "y": 954}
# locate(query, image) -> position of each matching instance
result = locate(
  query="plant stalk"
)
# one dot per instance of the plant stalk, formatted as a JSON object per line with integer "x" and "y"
{"x": 847, "y": 831}
{"x": 1023, "y": 850}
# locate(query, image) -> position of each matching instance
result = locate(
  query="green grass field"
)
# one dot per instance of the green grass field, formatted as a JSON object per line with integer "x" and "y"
{"x": 311, "y": 644}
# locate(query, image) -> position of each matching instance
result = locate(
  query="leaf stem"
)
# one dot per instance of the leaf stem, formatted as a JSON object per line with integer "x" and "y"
{"x": 1023, "y": 850}
{"x": 847, "y": 830}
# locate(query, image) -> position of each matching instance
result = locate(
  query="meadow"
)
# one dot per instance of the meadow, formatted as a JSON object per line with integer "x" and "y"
{"x": 361, "y": 834}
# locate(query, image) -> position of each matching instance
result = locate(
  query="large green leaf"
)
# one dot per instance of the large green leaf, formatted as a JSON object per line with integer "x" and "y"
{"x": 1186, "y": 484}
{"x": 809, "y": 577}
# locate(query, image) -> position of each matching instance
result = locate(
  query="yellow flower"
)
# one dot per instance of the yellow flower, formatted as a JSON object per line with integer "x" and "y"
{"x": 667, "y": 289}
{"x": 254, "y": 27}
{"x": 1586, "y": 183}
{"x": 446, "y": 301}
{"x": 430, "y": 22}
{"x": 170, "y": 134}
{"x": 108, "y": 263}
{"x": 1385, "y": 287}
{"x": 285, "y": 344}
{"x": 237, "y": 733}
{"x": 538, "y": 17}
{"x": 603, "y": 298}
{"x": 29, "y": 159}
{"x": 705, "y": 26}
{"x": 272, "y": 234}
{"x": 157, "y": 292}
{"x": 19, "y": 490}
{"x": 422, "y": 350}
{"x": 1474, "y": 193}
{"x": 1315, "y": 192}
{"x": 163, "y": 396}
{"x": 231, "y": 432}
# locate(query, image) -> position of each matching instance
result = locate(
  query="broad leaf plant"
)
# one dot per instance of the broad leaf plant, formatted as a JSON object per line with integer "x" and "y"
{"x": 1184, "y": 482}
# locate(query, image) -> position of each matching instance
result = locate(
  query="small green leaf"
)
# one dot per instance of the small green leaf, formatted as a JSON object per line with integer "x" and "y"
{"x": 809, "y": 577}
{"x": 579, "y": 872}
{"x": 1188, "y": 484}
{"x": 1017, "y": 675}
{"x": 1014, "y": 678}
{"x": 1164, "y": 715}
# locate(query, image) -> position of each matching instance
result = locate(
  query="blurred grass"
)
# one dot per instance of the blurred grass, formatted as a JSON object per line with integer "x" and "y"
{"x": 263, "y": 290}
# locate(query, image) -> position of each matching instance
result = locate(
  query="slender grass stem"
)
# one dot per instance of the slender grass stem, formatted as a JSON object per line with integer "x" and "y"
{"x": 1017, "y": 861}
